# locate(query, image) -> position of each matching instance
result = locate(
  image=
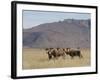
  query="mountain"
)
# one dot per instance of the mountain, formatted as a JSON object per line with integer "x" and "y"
{"x": 66, "y": 33}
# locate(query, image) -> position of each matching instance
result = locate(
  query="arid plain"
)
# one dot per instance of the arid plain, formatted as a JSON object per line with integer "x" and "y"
{"x": 38, "y": 59}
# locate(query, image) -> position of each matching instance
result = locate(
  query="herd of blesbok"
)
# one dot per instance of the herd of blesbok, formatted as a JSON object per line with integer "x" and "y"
{"x": 55, "y": 53}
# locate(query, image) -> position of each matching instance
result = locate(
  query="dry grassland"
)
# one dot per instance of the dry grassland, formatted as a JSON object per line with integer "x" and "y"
{"x": 37, "y": 58}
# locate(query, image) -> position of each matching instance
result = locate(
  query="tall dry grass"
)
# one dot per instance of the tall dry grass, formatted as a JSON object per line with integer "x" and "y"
{"x": 37, "y": 58}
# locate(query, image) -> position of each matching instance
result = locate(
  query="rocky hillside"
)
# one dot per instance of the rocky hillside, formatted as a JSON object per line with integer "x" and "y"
{"x": 66, "y": 33}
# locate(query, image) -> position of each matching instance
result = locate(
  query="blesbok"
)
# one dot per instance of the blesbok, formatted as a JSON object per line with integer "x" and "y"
{"x": 73, "y": 52}
{"x": 55, "y": 53}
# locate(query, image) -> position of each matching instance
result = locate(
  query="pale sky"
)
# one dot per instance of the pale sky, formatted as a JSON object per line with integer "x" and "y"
{"x": 34, "y": 18}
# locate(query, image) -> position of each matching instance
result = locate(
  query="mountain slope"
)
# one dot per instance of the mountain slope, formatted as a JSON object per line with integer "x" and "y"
{"x": 67, "y": 33}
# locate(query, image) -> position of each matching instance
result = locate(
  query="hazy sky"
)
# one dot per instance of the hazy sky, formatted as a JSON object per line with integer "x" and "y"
{"x": 34, "y": 18}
